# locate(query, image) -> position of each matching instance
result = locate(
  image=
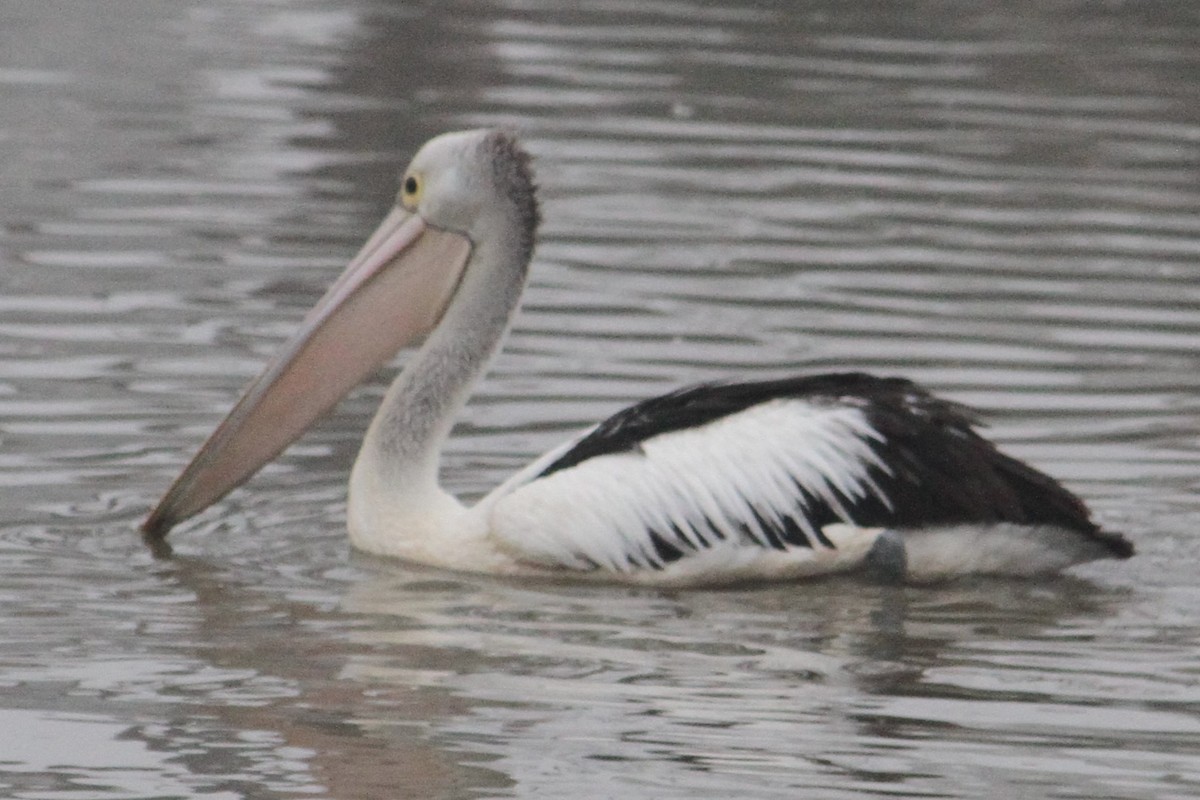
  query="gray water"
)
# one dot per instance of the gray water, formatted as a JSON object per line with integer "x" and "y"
{"x": 997, "y": 199}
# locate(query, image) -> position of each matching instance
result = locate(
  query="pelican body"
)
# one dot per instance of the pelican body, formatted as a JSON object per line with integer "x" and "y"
{"x": 707, "y": 485}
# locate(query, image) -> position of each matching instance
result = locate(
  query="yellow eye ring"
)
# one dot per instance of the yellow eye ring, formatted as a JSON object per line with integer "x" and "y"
{"x": 410, "y": 191}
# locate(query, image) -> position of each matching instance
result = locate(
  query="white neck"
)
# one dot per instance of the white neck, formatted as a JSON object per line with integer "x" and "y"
{"x": 396, "y": 506}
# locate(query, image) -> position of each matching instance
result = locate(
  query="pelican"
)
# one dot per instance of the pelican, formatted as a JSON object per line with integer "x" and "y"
{"x": 712, "y": 484}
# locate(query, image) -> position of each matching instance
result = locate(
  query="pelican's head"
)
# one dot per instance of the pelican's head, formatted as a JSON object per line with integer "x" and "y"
{"x": 471, "y": 182}
{"x": 462, "y": 192}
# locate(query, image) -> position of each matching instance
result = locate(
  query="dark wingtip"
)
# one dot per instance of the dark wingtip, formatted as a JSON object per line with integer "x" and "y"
{"x": 1116, "y": 544}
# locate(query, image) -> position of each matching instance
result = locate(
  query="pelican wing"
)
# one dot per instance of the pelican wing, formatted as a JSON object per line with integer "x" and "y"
{"x": 808, "y": 468}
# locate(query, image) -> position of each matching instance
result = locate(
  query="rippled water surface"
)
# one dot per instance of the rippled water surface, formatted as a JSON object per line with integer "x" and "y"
{"x": 998, "y": 199}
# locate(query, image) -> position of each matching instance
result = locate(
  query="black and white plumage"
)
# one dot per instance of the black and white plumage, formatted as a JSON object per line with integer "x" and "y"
{"x": 789, "y": 475}
{"x": 710, "y": 484}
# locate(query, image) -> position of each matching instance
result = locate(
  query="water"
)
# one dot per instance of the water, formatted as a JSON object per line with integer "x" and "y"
{"x": 998, "y": 200}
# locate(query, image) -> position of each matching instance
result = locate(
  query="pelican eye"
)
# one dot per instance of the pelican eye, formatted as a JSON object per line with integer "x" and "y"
{"x": 410, "y": 191}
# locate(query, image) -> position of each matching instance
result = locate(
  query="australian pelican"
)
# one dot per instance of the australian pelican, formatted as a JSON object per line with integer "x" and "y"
{"x": 709, "y": 484}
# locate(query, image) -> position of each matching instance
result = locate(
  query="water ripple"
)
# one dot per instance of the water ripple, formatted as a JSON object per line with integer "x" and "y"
{"x": 998, "y": 202}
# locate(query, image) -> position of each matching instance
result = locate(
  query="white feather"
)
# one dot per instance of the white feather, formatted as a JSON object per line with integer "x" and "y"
{"x": 603, "y": 511}
{"x": 936, "y": 554}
